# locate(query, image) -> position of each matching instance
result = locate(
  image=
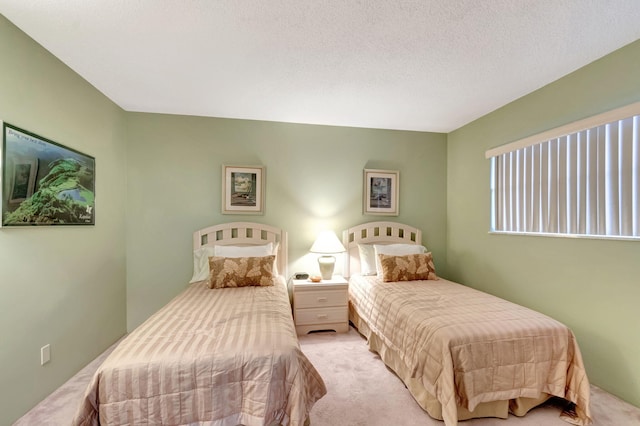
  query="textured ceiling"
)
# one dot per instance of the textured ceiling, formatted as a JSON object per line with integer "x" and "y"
{"x": 430, "y": 65}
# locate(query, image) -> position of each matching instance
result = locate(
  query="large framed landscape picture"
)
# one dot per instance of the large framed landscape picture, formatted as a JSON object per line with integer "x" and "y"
{"x": 44, "y": 182}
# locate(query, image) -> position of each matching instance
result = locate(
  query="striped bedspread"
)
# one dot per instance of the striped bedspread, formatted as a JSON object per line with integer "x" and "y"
{"x": 209, "y": 357}
{"x": 467, "y": 347}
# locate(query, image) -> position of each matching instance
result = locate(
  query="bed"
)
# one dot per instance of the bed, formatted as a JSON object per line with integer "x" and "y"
{"x": 461, "y": 353}
{"x": 213, "y": 356}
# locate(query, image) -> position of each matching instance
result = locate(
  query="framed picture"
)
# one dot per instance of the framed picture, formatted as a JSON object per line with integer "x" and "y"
{"x": 381, "y": 195}
{"x": 243, "y": 189}
{"x": 44, "y": 182}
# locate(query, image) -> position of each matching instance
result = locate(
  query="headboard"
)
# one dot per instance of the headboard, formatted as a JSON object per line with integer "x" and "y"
{"x": 245, "y": 234}
{"x": 375, "y": 233}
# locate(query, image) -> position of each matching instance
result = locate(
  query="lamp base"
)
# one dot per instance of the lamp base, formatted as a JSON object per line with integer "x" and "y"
{"x": 326, "y": 264}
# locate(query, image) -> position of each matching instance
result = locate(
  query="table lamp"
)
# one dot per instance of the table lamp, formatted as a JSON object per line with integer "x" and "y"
{"x": 326, "y": 244}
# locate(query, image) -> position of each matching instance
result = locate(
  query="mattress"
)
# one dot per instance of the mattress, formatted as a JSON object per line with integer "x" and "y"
{"x": 467, "y": 349}
{"x": 210, "y": 357}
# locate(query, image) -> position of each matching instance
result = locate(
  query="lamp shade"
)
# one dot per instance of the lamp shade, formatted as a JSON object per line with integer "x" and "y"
{"x": 327, "y": 242}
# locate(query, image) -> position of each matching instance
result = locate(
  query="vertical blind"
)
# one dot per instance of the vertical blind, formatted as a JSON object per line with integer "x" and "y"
{"x": 583, "y": 183}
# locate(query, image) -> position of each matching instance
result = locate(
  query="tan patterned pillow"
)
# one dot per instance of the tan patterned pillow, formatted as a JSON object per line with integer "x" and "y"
{"x": 241, "y": 271}
{"x": 408, "y": 267}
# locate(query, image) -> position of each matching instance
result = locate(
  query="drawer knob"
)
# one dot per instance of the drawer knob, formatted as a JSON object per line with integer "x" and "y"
{"x": 322, "y": 299}
{"x": 323, "y": 316}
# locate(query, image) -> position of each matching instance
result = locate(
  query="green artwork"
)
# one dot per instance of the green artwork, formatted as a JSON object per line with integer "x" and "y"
{"x": 45, "y": 183}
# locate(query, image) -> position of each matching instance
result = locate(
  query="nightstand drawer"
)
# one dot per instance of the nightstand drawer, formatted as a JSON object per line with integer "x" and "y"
{"x": 320, "y": 316}
{"x": 320, "y": 298}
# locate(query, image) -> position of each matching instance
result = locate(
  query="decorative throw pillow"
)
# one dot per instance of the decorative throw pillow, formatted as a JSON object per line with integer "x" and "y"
{"x": 408, "y": 268}
{"x": 241, "y": 271}
{"x": 201, "y": 256}
{"x": 249, "y": 251}
{"x": 395, "y": 250}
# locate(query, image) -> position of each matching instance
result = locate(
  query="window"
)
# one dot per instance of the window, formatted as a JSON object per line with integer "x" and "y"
{"x": 581, "y": 179}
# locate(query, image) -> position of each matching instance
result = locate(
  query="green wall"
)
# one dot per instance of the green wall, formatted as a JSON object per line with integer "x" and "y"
{"x": 63, "y": 286}
{"x": 159, "y": 179}
{"x": 591, "y": 285}
{"x": 314, "y": 180}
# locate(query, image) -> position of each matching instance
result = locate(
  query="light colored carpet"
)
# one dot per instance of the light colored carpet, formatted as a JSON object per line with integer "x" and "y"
{"x": 59, "y": 408}
{"x": 361, "y": 392}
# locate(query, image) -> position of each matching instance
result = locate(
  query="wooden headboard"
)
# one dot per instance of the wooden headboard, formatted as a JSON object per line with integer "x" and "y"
{"x": 245, "y": 234}
{"x": 375, "y": 233}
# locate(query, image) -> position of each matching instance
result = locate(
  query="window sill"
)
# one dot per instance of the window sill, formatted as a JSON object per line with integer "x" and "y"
{"x": 591, "y": 237}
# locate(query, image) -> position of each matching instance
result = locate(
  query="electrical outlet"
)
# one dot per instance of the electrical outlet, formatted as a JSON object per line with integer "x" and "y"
{"x": 45, "y": 354}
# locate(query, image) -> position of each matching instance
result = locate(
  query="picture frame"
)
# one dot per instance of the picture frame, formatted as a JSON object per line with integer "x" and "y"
{"x": 381, "y": 194}
{"x": 243, "y": 189}
{"x": 43, "y": 182}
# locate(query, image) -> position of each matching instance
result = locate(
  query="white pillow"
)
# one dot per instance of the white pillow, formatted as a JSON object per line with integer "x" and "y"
{"x": 244, "y": 251}
{"x": 395, "y": 250}
{"x": 367, "y": 259}
{"x": 201, "y": 263}
{"x": 201, "y": 256}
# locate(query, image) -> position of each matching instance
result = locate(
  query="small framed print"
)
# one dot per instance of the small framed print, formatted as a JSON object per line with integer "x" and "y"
{"x": 243, "y": 189}
{"x": 381, "y": 195}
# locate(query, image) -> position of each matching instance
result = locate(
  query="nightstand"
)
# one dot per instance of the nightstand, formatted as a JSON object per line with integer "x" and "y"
{"x": 321, "y": 306}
